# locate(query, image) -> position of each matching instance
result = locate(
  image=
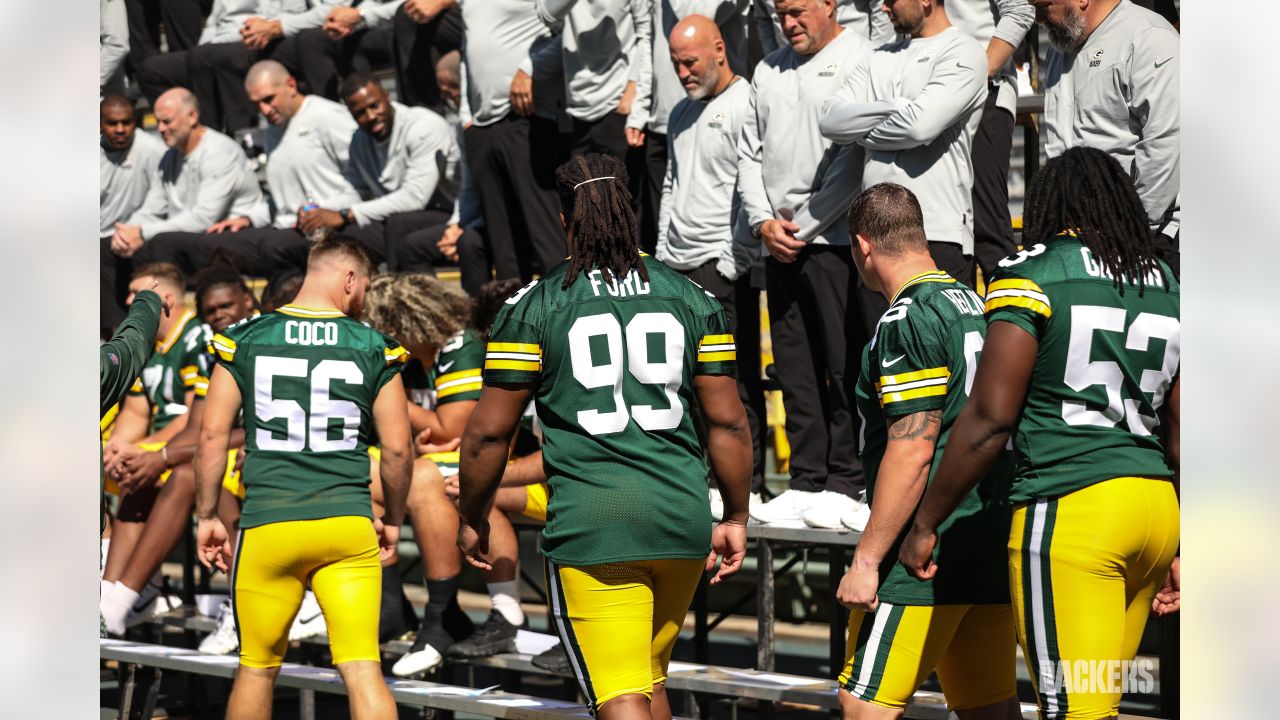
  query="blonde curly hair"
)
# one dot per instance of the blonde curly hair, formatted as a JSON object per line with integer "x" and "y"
{"x": 416, "y": 308}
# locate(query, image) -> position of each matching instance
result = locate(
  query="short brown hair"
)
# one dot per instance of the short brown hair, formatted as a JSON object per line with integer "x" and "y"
{"x": 164, "y": 272}
{"x": 888, "y": 215}
{"x": 338, "y": 244}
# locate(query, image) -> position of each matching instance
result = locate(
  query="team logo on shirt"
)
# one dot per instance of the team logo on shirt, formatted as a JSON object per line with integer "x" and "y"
{"x": 717, "y": 121}
{"x": 829, "y": 71}
{"x": 1096, "y": 60}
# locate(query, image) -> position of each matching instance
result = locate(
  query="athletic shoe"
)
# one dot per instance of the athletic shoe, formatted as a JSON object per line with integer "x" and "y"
{"x": 553, "y": 659}
{"x": 495, "y": 636}
{"x": 787, "y": 509}
{"x": 856, "y": 519}
{"x": 224, "y": 640}
{"x": 309, "y": 621}
{"x": 717, "y": 503}
{"x": 152, "y": 602}
{"x": 827, "y": 509}
{"x": 424, "y": 656}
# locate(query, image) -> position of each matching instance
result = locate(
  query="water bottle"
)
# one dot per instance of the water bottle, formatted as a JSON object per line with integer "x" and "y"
{"x": 319, "y": 233}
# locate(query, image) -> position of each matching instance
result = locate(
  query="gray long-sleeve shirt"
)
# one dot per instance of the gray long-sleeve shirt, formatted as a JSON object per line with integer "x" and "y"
{"x": 606, "y": 44}
{"x": 226, "y": 17}
{"x": 864, "y": 17}
{"x": 1119, "y": 93}
{"x": 665, "y": 90}
{"x": 914, "y": 106}
{"x": 113, "y": 39}
{"x": 784, "y": 164}
{"x": 190, "y": 193}
{"x": 503, "y": 36}
{"x": 1007, "y": 20}
{"x": 700, "y": 201}
{"x": 307, "y": 158}
{"x": 404, "y": 172}
{"x": 124, "y": 177}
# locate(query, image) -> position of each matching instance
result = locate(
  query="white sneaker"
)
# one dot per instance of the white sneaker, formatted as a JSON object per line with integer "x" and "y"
{"x": 827, "y": 508}
{"x": 856, "y": 519}
{"x": 717, "y": 503}
{"x": 151, "y": 603}
{"x": 309, "y": 621}
{"x": 787, "y": 509}
{"x": 224, "y": 640}
{"x": 421, "y": 658}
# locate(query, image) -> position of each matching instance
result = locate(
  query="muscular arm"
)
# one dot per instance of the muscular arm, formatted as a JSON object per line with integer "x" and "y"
{"x": 527, "y": 470}
{"x": 445, "y": 422}
{"x": 392, "y": 423}
{"x": 221, "y": 406}
{"x": 903, "y": 476}
{"x": 131, "y": 422}
{"x": 485, "y": 443}
{"x": 728, "y": 441}
{"x": 983, "y": 428}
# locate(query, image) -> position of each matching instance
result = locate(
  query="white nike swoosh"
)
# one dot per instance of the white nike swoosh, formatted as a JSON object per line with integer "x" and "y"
{"x": 444, "y": 368}
{"x": 890, "y": 363}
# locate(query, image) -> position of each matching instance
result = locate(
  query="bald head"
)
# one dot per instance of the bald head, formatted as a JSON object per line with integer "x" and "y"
{"x": 178, "y": 119}
{"x": 270, "y": 86}
{"x": 178, "y": 98}
{"x": 697, "y": 51}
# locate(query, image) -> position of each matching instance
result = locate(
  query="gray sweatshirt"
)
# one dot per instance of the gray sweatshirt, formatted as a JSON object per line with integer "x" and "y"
{"x": 1119, "y": 93}
{"x": 403, "y": 173}
{"x": 863, "y": 17}
{"x": 113, "y": 39}
{"x": 306, "y": 159}
{"x": 226, "y": 17}
{"x": 124, "y": 177}
{"x": 606, "y": 44}
{"x": 914, "y": 106}
{"x": 1007, "y": 20}
{"x": 504, "y": 36}
{"x": 784, "y": 164}
{"x": 665, "y": 90}
{"x": 213, "y": 183}
{"x": 372, "y": 14}
{"x": 700, "y": 201}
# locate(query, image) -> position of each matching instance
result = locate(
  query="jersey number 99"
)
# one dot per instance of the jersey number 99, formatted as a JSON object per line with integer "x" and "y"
{"x": 666, "y": 373}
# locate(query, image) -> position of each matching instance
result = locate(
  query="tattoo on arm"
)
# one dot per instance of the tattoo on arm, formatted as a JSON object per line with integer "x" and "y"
{"x": 924, "y": 425}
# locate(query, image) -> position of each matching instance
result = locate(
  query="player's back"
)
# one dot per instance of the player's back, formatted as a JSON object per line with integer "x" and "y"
{"x": 1105, "y": 363}
{"x": 613, "y": 364}
{"x": 308, "y": 379}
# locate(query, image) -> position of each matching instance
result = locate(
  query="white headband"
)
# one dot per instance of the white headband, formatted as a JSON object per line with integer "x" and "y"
{"x": 584, "y": 182}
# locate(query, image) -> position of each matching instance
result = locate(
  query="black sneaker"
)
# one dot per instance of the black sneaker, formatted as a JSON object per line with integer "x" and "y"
{"x": 553, "y": 660}
{"x": 495, "y": 636}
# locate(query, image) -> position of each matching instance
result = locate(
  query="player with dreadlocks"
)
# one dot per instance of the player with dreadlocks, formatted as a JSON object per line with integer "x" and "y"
{"x": 617, "y": 350}
{"x": 1080, "y": 369}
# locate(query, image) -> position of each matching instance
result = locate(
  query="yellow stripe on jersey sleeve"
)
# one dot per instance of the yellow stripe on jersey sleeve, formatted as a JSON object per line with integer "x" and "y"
{"x": 224, "y": 347}
{"x": 508, "y": 347}
{"x": 722, "y": 356}
{"x": 716, "y": 340}
{"x": 525, "y": 365}
{"x": 136, "y": 388}
{"x": 201, "y": 387}
{"x": 938, "y": 372}
{"x": 717, "y": 348}
{"x": 459, "y": 382}
{"x": 396, "y": 355}
{"x": 888, "y": 399}
{"x": 189, "y": 375}
{"x": 1016, "y": 292}
{"x": 912, "y": 385}
{"x": 525, "y": 357}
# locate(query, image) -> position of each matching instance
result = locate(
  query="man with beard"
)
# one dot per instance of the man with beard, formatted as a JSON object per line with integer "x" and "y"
{"x": 1111, "y": 83}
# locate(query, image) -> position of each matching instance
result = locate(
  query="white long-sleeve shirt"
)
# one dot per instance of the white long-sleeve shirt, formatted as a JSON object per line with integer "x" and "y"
{"x": 307, "y": 158}
{"x": 503, "y": 36}
{"x": 784, "y": 164}
{"x": 864, "y": 17}
{"x": 914, "y": 106}
{"x": 700, "y": 202}
{"x": 226, "y": 17}
{"x": 605, "y": 44}
{"x": 190, "y": 193}
{"x": 666, "y": 90}
{"x": 1007, "y": 20}
{"x": 1119, "y": 93}
{"x": 124, "y": 177}
{"x": 404, "y": 172}
{"x": 113, "y": 39}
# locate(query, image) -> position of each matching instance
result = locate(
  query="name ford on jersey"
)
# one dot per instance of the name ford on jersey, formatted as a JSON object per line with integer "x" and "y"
{"x": 630, "y": 286}
{"x": 310, "y": 332}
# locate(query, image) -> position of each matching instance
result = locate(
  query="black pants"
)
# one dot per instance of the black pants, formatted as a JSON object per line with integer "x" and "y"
{"x": 168, "y": 70}
{"x": 1169, "y": 249}
{"x": 608, "y": 135}
{"x": 320, "y": 63}
{"x": 183, "y": 21}
{"x": 512, "y": 164}
{"x": 217, "y": 73}
{"x": 655, "y": 166}
{"x": 817, "y": 341}
{"x": 264, "y": 252}
{"x": 992, "y": 225}
{"x": 417, "y": 49}
{"x": 113, "y": 287}
{"x": 419, "y": 252}
{"x": 741, "y": 304}
{"x": 947, "y": 256}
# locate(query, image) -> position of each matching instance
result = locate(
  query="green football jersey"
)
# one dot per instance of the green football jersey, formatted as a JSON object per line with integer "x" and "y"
{"x": 923, "y": 357}
{"x": 612, "y": 365}
{"x": 456, "y": 375}
{"x": 178, "y": 365}
{"x": 308, "y": 379}
{"x": 1105, "y": 362}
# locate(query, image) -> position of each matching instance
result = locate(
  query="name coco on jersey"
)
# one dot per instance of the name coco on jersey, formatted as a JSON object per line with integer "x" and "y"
{"x": 630, "y": 286}
{"x": 310, "y": 332}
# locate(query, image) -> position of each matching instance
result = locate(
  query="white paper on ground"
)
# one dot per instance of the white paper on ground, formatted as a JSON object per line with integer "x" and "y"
{"x": 321, "y": 673}
{"x": 110, "y": 642}
{"x": 788, "y": 680}
{"x": 443, "y": 690}
{"x": 675, "y": 667}
{"x": 514, "y": 702}
{"x": 533, "y": 643}
{"x": 214, "y": 659}
{"x": 144, "y": 649}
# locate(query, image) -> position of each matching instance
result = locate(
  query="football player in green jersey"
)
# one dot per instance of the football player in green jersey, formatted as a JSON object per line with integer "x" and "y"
{"x": 617, "y": 350}
{"x": 1081, "y": 370}
{"x": 914, "y": 380}
{"x": 315, "y": 386}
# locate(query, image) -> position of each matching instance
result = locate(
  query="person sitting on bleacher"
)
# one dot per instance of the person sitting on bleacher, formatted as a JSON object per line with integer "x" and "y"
{"x": 351, "y": 39}
{"x": 202, "y": 181}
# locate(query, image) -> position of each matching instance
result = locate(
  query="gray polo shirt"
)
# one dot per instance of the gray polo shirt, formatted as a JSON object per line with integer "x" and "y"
{"x": 306, "y": 159}
{"x": 124, "y": 176}
{"x": 914, "y": 105}
{"x": 606, "y": 44}
{"x": 404, "y": 172}
{"x": 213, "y": 183}
{"x": 665, "y": 90}
{"x": 1119, "y": 93}
{"x": 1007, "y": 20}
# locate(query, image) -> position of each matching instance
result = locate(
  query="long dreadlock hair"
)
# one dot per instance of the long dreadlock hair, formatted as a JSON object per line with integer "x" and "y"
{"x": 1085, "y": 191}
{"x": 416, "y": 308}
{"x": 221, "y": 271}
{"x": 594, "y": 195}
